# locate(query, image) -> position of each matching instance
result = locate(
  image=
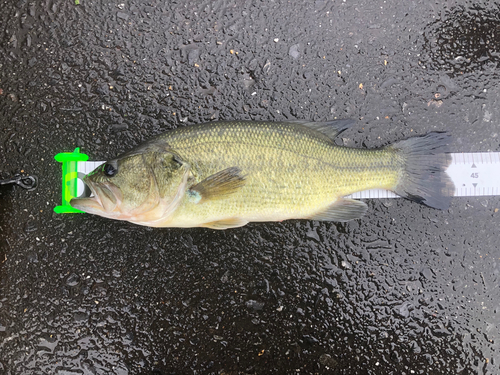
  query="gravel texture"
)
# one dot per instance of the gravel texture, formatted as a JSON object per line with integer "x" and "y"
{"x": 405, "y": 290}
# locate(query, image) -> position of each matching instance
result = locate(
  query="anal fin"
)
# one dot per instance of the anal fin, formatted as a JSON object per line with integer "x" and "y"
{"x": 342, "y": 210}
{"x": 225, "y": 223}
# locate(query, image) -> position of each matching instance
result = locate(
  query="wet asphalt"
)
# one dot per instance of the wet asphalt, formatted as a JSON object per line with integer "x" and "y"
{"x": 405, "y": 290}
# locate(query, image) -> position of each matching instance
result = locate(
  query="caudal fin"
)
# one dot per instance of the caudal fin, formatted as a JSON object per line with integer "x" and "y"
{"x": 423, "y": 178}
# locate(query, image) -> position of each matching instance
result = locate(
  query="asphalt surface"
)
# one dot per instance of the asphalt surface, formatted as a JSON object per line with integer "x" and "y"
{"x": 405, "y": 290}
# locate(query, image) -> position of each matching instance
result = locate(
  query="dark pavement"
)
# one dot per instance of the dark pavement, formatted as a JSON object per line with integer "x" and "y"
{"x": 405, "y": 290}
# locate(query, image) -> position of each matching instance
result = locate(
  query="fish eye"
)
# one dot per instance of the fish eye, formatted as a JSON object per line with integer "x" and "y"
{"x": 110, "y": 170}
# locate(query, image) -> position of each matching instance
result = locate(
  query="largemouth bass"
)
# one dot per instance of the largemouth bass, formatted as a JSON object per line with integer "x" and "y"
{"x": 226, "y": 174}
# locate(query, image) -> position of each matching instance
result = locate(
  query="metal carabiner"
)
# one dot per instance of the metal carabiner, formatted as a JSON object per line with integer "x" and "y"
{"x": 26, "y": 182}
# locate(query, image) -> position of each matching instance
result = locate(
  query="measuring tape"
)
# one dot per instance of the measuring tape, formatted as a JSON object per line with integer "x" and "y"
{"x": 474, "y": 174}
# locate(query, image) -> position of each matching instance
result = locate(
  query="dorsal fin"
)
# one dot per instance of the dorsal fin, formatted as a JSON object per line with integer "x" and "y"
{"x": 329, "y": 128}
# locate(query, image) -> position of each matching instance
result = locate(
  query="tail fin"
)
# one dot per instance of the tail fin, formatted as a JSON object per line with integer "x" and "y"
{"x": 423, "y": 178}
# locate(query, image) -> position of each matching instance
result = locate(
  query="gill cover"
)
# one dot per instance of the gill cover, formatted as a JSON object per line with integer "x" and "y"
{"x": 142, "y": 186}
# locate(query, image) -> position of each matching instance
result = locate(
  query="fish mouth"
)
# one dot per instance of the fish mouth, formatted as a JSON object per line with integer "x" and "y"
{"x": 105, "y": 199}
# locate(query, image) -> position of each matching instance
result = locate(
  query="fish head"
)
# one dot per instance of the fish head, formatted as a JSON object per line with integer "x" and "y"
{"x": 141, "y": 186}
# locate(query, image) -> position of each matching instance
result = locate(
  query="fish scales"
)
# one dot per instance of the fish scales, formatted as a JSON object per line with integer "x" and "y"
{"x": 289, "y": 171}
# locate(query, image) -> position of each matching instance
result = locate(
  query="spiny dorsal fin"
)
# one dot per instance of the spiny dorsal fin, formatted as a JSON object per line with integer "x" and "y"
{"x": 329, "y": 128}
{"x": 218, "y": 185}
{"x": 342, "y": 210}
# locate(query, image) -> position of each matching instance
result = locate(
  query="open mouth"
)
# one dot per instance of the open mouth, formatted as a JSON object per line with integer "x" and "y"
{"x": 105, "y": 198}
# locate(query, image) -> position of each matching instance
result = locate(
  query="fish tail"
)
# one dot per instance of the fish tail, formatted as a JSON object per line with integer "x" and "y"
{"x": 423, "y": 176}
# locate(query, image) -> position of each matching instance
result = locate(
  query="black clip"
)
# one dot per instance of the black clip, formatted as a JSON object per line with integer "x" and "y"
{"x": 26, "y": 182}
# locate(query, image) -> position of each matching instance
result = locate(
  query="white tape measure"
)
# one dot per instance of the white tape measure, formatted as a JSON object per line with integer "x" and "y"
{"x": 474, "y": 174}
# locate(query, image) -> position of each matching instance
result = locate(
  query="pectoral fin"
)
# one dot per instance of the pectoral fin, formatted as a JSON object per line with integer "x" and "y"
{"x": 342, "y": 210}
{"x": 218, "y": 185}
{"x": 225, "y": 224}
